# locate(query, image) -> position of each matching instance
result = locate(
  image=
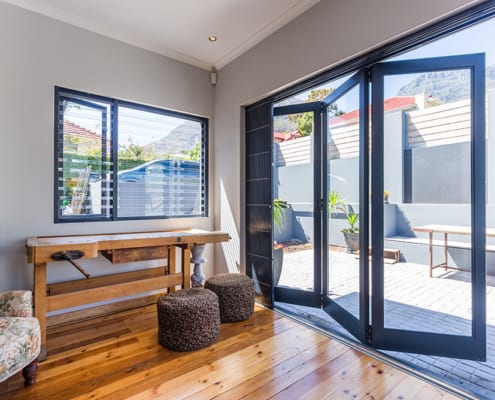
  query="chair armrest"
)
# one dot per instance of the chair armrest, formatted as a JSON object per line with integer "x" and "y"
{"x": 16, "y": 303}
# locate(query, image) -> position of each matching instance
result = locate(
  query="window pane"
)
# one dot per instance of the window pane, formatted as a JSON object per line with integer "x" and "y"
{"x": 293, "y": 204}
{"x": 159, "y": 164}
{"x": 427, "y": 215}
{"x": 82, "y": 158}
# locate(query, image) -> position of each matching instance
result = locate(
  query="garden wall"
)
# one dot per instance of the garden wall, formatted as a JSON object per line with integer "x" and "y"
{"x": 428, "y": 183}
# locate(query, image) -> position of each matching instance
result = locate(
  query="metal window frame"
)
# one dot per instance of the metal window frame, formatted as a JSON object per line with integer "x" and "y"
{"x": 113, "y": 103}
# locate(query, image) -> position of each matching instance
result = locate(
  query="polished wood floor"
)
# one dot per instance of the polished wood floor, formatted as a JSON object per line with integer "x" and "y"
{"x": 266, "y": 357}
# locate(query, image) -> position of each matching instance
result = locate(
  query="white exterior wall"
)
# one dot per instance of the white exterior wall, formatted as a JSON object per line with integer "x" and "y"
{"x": 38, "y": 53}
{"x": 326, "y": 35}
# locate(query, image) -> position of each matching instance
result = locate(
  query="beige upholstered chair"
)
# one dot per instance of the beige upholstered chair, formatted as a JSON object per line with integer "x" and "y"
{"x": 20, "y": 336}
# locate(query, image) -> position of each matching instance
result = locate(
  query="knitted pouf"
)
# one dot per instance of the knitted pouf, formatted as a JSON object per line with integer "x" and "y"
{"x": 188, "y": 319}
{"x": 235, "y": 294}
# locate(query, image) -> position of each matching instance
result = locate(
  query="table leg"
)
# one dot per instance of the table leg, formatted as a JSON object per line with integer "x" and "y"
{"x": 186, "y": 266}
{"x": 445, "y": 250}
{"x": 197, "y": 259}
{"x": 430, "y": 247}
{"x": 171, "y": 265}
{"x": 40, "y": 304}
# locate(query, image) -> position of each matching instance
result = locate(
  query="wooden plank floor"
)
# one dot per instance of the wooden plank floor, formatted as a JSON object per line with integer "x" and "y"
{"x": 266, "y": 357}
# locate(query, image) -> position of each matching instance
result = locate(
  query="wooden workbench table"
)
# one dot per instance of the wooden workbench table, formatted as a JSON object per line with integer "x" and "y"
{"x": 118, "y": 248}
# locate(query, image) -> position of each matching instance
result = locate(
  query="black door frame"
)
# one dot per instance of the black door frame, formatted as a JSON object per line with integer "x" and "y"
{"x": 358, "y": 327}
{"x": 372, "y": 331}
{"x": 469, "y": 347}
{"x": 292, "y": 295}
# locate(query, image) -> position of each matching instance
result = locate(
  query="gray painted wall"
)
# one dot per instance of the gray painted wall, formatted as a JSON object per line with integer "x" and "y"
{"x": 296, "y": 51}
{"x": 441, "y": 174}
{"x": 344, "y": 178}
{"x": 410, "y": 215}
{"x": 37, "y": 54}
{"x": 440, "y": 186}
{"x": 295, "y": 184}
{"x": 393, "y": 135}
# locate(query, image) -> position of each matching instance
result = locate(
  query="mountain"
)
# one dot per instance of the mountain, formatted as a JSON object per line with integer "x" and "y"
{"x": 446, "y": 86}
{"x": 282, "y": 124}
{"x": 181, "y": 138}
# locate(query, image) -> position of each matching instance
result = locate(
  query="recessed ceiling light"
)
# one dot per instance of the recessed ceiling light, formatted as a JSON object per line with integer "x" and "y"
{"x": 212, "y": 38}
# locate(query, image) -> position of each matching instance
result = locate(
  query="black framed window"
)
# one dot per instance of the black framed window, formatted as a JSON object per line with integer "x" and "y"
{"x": 119, "y": 160}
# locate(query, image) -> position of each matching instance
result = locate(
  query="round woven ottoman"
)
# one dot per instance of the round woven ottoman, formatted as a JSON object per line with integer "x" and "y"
{"x": 188, "y": 319}
{"x": 235, "y": 294}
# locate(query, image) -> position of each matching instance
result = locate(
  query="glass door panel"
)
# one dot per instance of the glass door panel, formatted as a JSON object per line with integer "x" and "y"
{"x": 345, "y": 272}
{"x": 427, "y": 179}
{"x": 429, "y": 204}
{"x": 343, "y": 201}
{"x": 296, "y": 215}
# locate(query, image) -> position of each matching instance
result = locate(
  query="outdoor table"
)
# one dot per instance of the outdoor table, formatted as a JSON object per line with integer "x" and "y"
{"x": 446, "y": 230}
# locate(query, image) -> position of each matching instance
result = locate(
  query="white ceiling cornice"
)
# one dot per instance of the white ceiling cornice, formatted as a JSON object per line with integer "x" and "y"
{"x": 177, "y": 28}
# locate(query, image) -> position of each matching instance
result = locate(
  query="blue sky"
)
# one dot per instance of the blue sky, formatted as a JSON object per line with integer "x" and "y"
{"x": 135, "y": 126}
{"x": 477, "y": 39}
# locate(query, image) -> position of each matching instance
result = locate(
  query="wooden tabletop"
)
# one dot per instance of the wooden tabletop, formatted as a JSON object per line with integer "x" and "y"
{"x": 453, "y": 229}
{"x": 91, "y": 244}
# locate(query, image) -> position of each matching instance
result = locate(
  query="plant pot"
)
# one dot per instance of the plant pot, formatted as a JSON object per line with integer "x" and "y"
{"x": 351, "y": 240}
{"x": 278, "y": 260}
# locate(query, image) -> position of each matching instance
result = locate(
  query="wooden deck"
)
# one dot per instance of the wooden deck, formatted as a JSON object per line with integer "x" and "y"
{"x": 267, "y": 356}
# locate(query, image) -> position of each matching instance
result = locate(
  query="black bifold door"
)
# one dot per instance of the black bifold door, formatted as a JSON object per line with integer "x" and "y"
{"x": 371, "y": 162}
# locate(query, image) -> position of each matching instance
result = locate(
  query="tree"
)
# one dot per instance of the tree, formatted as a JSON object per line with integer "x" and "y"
{"x": 304, "y": 121}
{"x": 318, "y": 94}
{"x": 195, "y": 152}
{"x": 305, "y": 124}
{"x": 132, "y": 151}
{"x": 131, "y": 154}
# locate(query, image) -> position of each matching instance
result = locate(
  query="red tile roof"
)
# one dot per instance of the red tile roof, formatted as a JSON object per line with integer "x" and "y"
{"x": 70, "y": 128}
{"x": 394, "y": 103}
{"x": 397, "y": 102}
{"x": 391, "y": 104}
{"x": 284, "y": 136}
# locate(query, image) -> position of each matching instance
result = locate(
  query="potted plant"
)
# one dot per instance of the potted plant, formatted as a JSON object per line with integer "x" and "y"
{"x": 351, "y": 233}
{"x": 335, "y": 203}
{"x": 278, "y": 261}
{"x": 278, "y": 248}
{"x": 386, "y": 195}
{"x": 278, "y": 212}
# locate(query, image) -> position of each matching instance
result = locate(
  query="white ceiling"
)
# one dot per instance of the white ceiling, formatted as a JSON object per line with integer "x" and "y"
{"x": 178, "y": 28}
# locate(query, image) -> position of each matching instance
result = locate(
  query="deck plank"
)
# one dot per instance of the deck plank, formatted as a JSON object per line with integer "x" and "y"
{"x": 267, "y": 356}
